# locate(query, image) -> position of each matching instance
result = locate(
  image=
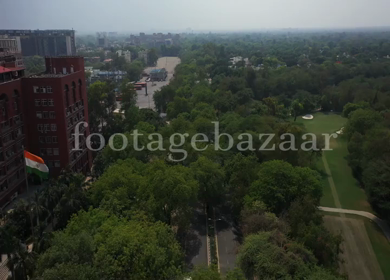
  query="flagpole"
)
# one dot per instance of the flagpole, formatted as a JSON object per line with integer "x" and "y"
{"x": 25, "y": 168}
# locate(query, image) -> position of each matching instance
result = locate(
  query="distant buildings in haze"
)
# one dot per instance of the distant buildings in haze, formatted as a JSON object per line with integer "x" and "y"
{"x": 154, "y": 40}
{"x": 42, "y": 42}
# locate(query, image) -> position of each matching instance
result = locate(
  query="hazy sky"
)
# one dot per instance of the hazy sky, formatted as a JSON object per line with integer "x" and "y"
{"x": 199, "y": 15}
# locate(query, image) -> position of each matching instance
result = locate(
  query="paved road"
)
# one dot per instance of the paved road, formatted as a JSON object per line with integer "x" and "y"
{"x": 228, "y": 240}
{"x": 169, "y": 63}
{"x": 381, "y": 223}
{"x": 196, "y": 240}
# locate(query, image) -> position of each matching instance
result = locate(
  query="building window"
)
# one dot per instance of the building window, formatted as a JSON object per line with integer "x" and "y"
{"x": 40, "y": 127}
{"x": 49, "y": 164}
{"x": 16, "y": 119}
{"x": 53, "y": 127}
{"x": 37, "y": 102}
{"x": 80, "y": 92}
{"x": 46, "y": 128}
{"x": 41, "y": 139}
{"x": 56, "y": 151}
{"x": 7, "y": 138}
{"x": 39, "y": 115}
{"x": 54, "y": 139}
{"x": 45, "y": 115}
{"x": 66, "y": 89}
{"x": 52, "y": 115}
{"x": 43, "y": 152}
{"x": 57, "y": 163}
{"x": 36, "y": 89}
{"x": 49, "y": 89}
{"x": 48, "y": 139}
{"x": 44, "y": 102}
{"x": 42, "y": 90}
{"x": 49, "y": 152}
{"x": 74, "y": 91}
{"x": 51, "y": 102}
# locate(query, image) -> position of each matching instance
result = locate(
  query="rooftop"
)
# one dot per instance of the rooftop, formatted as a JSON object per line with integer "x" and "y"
{"x": 157, "y": 70}
{"x": 50, "y": 75}
{"x": 4, "y": 70}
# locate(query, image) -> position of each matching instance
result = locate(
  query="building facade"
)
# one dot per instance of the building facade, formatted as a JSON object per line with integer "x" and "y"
{"x": 8, "y": 44}
{"x": 43, "y": 42}
{"x": 57, "y": 101}
{"x": 12, "y": 129}
{"x": 125, "y": 54}
{"x": 39, "y": 113}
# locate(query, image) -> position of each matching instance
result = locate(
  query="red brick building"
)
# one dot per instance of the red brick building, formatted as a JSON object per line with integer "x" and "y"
{"x": 55, "y": 102}
{"x": 39, "y": 113}
{"x": 12, "y": 127}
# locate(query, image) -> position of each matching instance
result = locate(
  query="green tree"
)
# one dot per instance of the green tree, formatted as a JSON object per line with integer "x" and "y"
{"x": 65, "y": 271}
{"x": 129, "y": 95}
{"x": 34, "y": 64}
{"x": 134, "y": 71}
{"x": 280, "y": 183}
{"x": 271, "y": 255}
{"x": 144, "y": 250}
{"x": 211, "y": 178}
{"x": 152, "y": 57}
{"x": 297, "y": 108}
{"x": 351, "y": 107}
{"x": 205, "y": 273}
{"x": 361, "y": 121}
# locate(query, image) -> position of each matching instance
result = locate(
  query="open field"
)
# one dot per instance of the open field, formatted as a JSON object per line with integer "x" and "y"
{"x": 366, "y": 249}
{"x": 350, "y": 195}
{"x": 323, "y": 123}
{"x": 359, "y": 259}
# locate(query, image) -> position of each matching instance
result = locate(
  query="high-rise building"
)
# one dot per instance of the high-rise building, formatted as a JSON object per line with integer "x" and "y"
{"x": 12, "y": 128}
{"x": 39, "y": 113}
{"x": 56, "y": 102}
{"x": 102, "y": 39}
{"x": 43, "y": 42}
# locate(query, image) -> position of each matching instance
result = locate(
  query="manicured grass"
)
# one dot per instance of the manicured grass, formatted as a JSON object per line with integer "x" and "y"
{"x": 327, "y": 197}
{"x": 323, "y": 123}
{"x": 379, "y": 243}
{"x": 350, "y": 194}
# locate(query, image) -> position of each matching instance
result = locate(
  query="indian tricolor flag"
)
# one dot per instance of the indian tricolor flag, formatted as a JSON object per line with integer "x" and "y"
{"x": 36, "y": 165}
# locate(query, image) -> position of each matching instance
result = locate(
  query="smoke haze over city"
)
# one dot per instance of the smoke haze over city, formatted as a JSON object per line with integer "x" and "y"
{"x": 202, "y": 15}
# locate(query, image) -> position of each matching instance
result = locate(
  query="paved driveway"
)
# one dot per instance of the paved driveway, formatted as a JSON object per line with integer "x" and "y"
{"x": 146, "y": 101}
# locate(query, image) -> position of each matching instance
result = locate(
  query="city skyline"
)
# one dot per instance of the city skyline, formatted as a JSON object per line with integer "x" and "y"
{"x": 202, "y": 16}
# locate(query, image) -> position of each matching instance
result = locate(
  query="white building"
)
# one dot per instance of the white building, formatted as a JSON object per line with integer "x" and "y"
{"x": 125, "y": 54}
{"x": 143, "y": 55}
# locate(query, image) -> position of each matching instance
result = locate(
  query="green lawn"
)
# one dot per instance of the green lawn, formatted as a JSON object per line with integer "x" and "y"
{"x": 350, "y": 194}
{"x": 327, "y": 197}
{"x": 323, "y": 123}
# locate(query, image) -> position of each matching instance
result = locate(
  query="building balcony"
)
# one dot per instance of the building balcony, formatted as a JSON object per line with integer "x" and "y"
{"x": 5, "y": 127}
{"x": 79, "y": 155}
{"x": 16, "y": 182}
